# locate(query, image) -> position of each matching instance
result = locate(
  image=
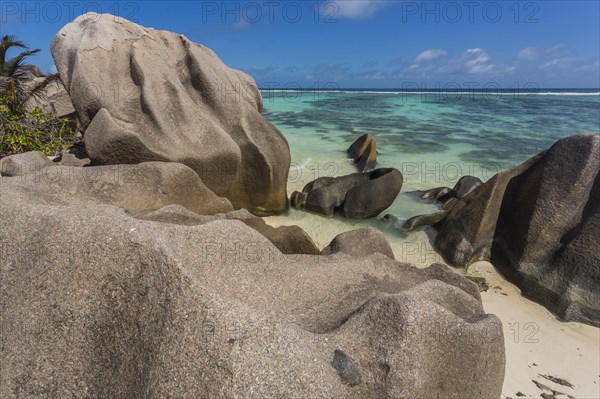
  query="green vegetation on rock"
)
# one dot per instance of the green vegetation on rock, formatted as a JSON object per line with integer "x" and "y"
{"x": 36, "y": 130}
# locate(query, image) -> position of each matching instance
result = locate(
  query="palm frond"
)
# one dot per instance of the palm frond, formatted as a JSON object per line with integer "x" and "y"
{"x": 12, "y": 67}
{"x": 5, "y": 44}
{"x": 37, "y": 91}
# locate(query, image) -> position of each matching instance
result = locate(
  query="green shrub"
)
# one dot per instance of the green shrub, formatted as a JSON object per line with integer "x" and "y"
{"x": 36, "y": 130}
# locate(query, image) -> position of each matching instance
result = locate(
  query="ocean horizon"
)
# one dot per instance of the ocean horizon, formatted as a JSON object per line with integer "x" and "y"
{"x": 477, "y": 91}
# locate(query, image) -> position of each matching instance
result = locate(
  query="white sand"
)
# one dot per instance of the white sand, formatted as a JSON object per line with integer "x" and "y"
{"x": 532, "y": 335}
{"x": 536, "y": 342}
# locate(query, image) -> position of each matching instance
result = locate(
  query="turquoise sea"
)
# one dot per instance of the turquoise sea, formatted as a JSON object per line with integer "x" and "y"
{"x": 432, "y": 137}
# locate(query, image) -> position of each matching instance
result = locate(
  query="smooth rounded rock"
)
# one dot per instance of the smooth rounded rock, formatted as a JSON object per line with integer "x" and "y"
{"x": 373, "y": 196}
{"x": 23, "y": 164}
{"x": 466, "y": 185}
{"x": 440, "y": 194}
{"x": 424, "y": 220}
{"x": 177, "y": 102}
{"x": 360, "y": 243}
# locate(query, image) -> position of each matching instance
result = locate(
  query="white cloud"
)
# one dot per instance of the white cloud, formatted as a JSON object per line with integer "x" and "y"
{"x": 53, "y": 69}
{"x": 592, "y": 67}
{"x": 558, "y": 58}
{"x": 528, "y": 54}
{"x": 475, "y": 61}
{"x": 476, "y": 57}
{"x": 431, "y": 54}
{"x": 377, "y": 76}
{"x": 559, "y": 63}
{"x": 535, "y": 53}
{"x": 357, "y": 9}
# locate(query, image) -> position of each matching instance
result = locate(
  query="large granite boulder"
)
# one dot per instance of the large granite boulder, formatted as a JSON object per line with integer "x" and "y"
{"x": 538, "y": 223}
{"x": 99, "y": 303}
{"x": 147, "y": 95}
{"x": 376, "y": 194}
{"x": 465, "y": 235}
{"x": 547, "y": 237}
{"x": 355, "y": 196}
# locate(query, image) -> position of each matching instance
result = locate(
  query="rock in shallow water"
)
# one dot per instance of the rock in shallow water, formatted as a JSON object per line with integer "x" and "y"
{"x": 148, "y": 95}
{"x": 364, "y": 153}
{"x": 356, "y": 196}
{"x": 461, "y": 189}
{"x": 97, "y": 303}
{"x": 440, "y": 194}
{"x": 424, "y": 220}
{"x": 466, "y": 185}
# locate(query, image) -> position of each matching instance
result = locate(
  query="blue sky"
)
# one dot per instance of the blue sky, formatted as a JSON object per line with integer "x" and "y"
{"x": 361, "y": 43}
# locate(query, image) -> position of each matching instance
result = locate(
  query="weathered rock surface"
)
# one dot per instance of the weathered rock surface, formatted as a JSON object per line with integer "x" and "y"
{"x": 54, "y": 99}
{"x": 438, "y": 194}
{"x": 547, "y": 237}
{"x": 146, "y": 95}
{"x": 369, "y": 199}
{"x": 22, "y": 164}
{"x": 360, "y": 243}
{"x": 465, "y": 185}
{"x": 424, "y": 220}
{"x": 538, "y": 223}
{"x": 70, "y": 159}
{"x": 143, "y": 187}
{"x": 31, "y": 72}
{"x": 364, "y": 152}
{"x": 98, "y": 303}
{"x": 288, "y": 239}
{"x": 465, "y": 235}
{"x": 450, "y": 204}
{"x": 356, "y": 196}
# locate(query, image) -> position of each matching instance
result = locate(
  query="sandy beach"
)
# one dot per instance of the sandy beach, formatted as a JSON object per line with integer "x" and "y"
{"x": 538, "y": 345}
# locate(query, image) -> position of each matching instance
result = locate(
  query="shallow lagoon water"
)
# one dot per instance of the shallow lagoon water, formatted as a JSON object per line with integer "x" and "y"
{"x": 433, "y": 138}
